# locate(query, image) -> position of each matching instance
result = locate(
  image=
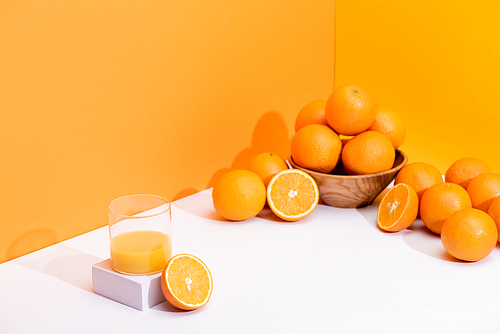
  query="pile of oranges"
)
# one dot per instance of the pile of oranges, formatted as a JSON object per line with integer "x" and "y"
{"x": 349, "y": 133}
{"x": 350, "y": 129}
{"x": 464, "y": 209}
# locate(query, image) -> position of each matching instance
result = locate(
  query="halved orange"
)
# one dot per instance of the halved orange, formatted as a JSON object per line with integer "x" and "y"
{"x": 186, "y": 282}
{"x": 292, "y": 194}
{"x": 398, "y": 209}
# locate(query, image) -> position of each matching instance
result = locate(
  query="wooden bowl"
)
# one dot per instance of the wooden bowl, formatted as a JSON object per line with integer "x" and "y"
{"x": 353, "y": 191}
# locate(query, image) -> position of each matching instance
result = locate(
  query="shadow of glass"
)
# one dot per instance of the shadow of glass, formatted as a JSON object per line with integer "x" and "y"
{"x": 30, "y": 242}
{"x": 203, "y": 208}
{"x": 65, "y": 263}
{"x": 75, "y": 269}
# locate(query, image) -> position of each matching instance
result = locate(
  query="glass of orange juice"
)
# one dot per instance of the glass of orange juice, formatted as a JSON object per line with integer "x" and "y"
{"x": 140, "y": 230}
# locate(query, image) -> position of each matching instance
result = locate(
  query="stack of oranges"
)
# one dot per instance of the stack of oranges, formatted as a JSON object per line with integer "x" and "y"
{"x": 464, "y": 209}
{"x": 350, "y": 129}
{"x": 349, "y": 132}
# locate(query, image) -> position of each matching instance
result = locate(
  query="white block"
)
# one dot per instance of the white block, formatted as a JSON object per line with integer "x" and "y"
{"x": 140, "y": 292}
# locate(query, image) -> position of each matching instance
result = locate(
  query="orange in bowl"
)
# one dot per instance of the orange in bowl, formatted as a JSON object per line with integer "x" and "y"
{"x": 367, "y": 153}
{"x": 389, "y": 123}
{"x": 349, "y": 110}
{"x": 316, "y": 147}
{"x": 312, "y": 113}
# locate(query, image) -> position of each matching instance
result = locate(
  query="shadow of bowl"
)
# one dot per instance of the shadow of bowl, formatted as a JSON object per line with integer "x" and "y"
{"x": 340, "y": 190}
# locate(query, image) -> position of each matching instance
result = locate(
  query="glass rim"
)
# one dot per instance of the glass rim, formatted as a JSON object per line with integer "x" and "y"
{"x": 140, "y": 195}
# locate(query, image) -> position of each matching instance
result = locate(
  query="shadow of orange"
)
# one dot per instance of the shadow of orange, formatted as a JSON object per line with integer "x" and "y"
{"x": 269, "y": 135}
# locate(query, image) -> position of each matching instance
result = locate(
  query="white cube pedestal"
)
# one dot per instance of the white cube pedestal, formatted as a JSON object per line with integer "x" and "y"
{"x": 140, "y": 292}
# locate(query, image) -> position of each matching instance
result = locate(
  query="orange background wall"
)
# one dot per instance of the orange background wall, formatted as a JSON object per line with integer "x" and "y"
{"x": 100, "y": 99}
{"x": 436, "y": 63}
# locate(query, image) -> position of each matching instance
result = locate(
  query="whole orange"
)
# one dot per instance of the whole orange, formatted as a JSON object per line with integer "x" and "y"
{"x": 312, "y": 113}
{"x": 464, "y": 170}
{"x": 390, "y": 124}
{"x": 483, "y": 189}
{"x": 494, "y": 212}
{"x": 316, "y": 147}
{"x": 266, "y": 165}
{"x": 420, "y": 176}
{"x": 349, "y": 110}
{"x": 469, "y": 235}
{"x": 239, "y": 195}
{"x": 367, "y": 153}
{"x": 440, "y": 201}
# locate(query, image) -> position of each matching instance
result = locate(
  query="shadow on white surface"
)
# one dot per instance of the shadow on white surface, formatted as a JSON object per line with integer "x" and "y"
{"x": 417, "y": 236}
{"x": 167, "y": 307}
{"x": 267, "y": 214}
{"x": 65, "y": 263}
{"x": 370, "y": 212}
{"x": 426, "y": 242}
{"x": 203, "y": 207}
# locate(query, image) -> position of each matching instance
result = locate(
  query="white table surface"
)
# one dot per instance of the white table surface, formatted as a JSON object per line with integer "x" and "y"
{"x": 334, "y": 271}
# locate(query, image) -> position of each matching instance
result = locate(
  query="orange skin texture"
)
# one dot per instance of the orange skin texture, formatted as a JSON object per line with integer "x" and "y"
{"x": 420, "y": 176}
{"x": 440, "y": 201}
{"x": 316, "y": 147}
{"x": 239, "y": 195}
{"x": 400, "y": 193}
{"x": 494, "y": 212}
{"x": 469, "y": 235}
{"x": 367, "y": 153}
{"x": 312, "y": 113}
{"x": 266, "y": 165}
{"x": 464, "y": 170}
{"x": 483, "y": 189}
{"x": 349, "y": 110}
{"x": 389, "y": 123}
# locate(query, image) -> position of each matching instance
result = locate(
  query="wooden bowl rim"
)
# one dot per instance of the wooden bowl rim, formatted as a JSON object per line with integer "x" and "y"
{"x": 364, "y": 176}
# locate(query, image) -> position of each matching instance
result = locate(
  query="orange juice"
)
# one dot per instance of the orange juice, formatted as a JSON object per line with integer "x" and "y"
{"x": 140, "y": 252}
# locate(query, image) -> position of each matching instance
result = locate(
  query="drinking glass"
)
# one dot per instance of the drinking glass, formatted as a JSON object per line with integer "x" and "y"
{"x": 140, "y": 231}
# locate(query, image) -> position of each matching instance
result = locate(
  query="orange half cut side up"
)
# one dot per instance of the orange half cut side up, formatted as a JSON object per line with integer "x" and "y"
{"x": 292, "y": 194}
{"x": 186, "y": 282}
